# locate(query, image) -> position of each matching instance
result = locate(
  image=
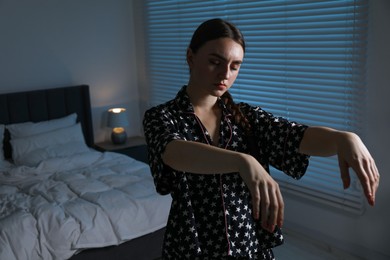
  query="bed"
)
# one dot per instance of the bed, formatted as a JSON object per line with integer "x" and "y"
{"x": 62, "y": 199}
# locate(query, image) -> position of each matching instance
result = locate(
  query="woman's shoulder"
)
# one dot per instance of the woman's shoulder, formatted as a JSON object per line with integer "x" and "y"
{"x": 170, "y": 106}
{"x": 249, "y": 109}
{"x": 161, "y": 108}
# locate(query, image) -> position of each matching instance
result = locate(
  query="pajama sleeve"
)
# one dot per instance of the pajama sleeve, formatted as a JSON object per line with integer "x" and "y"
{"x": 278, "y": 139}
{"x": 160, "y": 128}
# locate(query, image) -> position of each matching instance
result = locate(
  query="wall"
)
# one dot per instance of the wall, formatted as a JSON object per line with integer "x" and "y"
{"x": 48, "y": 43}
{"x": 366, "y": 235}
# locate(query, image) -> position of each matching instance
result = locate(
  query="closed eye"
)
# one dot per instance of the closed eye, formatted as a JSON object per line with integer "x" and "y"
{"x": 215, "y": 62}
{"x": 236, "y": 66}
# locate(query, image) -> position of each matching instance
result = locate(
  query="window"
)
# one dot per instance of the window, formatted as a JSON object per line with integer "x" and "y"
{"x": 305, "y": 60}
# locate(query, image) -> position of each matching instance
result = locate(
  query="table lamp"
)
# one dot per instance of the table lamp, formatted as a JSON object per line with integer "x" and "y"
{"x": 117, "y": 120}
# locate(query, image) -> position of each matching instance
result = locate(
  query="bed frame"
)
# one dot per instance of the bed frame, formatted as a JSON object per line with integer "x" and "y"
{"x": 46, "y": 104}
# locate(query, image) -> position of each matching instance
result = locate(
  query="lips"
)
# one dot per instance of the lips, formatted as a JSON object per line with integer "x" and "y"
{"x": 220, "y": 86}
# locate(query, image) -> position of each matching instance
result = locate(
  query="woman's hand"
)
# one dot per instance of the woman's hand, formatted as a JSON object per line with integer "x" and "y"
{"x": 265, "y": 192}
{"x": 353, "y": 153}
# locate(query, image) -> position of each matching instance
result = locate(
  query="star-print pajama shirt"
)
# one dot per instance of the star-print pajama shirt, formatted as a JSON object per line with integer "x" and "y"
{"x": 211, "y": 214}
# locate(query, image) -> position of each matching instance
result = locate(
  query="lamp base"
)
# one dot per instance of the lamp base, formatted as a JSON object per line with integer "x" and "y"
{"x": 118, "y": 138}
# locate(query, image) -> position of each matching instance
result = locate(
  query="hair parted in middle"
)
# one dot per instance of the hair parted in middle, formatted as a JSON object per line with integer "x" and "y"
{"x": 215, "y": 29}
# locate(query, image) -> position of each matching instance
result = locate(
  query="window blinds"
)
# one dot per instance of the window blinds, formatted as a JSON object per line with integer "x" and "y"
{"x": 305, "y": 60}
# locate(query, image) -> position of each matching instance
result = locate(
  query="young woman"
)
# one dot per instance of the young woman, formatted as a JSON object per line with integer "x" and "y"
{"x": 213, "y": 155}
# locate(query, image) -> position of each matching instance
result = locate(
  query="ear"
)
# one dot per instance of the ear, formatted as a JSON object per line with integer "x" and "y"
{"x": 190, "y": 57}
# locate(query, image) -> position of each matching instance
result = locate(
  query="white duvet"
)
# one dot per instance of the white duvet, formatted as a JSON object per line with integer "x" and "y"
{"x": 65, "y": 205}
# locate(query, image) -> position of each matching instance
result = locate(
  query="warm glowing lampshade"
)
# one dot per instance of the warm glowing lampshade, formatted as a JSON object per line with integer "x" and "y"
{"x": 117, "y": 120}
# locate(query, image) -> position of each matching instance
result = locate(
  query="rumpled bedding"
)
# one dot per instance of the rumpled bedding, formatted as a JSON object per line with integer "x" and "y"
{"x": 65, "y": 205}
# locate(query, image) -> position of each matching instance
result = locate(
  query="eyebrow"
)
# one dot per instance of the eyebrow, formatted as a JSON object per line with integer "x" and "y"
{"x": 223, "y": 58}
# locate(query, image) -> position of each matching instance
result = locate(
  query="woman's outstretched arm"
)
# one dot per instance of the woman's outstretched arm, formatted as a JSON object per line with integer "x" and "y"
{"x": 351, "y": 152}
{"x": 201, "y": 158}
{"x": 194, "y": 157}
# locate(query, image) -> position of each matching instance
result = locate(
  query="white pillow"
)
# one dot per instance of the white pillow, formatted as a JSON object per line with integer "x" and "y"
{"x": 30, "y": 128}
{"x": 31, "y": 150}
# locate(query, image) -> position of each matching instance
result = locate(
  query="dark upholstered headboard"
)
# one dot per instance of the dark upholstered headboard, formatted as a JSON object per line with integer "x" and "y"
{"x": 46, "y": 104}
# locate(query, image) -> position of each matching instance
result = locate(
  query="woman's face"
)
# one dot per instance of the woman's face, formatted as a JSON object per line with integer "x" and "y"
{"x": 215, "y": 66}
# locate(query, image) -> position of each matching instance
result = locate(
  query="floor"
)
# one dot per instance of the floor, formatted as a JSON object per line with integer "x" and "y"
{"x": 300, "y": 248}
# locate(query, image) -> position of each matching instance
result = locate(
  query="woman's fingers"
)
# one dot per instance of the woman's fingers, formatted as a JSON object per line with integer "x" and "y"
{"x": 367, "y": 174}
{"x": 256, "y": 202}
{"x": 376, "y": 178}
{"x": 364, "y": 176}
{"x": 264, "y": 205}
{"x": 272, "y": 205}
{"x": 280, "y": 217}
{"x": 353, "y": 153}
{"x": 371, "y": 179}
{"x": 344, "y": 172}
{"x": 267, "y": 204}
{"x": 365, "y": 181}
{"x": 267, "y": 201}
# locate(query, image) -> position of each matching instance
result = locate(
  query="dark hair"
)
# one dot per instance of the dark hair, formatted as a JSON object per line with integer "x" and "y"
{"x": 211, "y": 30}
{"x": 214, "y": 29}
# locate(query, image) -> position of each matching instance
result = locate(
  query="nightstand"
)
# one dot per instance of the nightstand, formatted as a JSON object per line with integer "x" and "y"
{"x": 134, "y": 147}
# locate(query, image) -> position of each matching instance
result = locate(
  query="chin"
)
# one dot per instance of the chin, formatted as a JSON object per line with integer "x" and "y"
{"x": 218, "y": 93}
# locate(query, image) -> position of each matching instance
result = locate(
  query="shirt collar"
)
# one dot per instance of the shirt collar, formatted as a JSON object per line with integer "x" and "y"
{"x": 183, "y": 101}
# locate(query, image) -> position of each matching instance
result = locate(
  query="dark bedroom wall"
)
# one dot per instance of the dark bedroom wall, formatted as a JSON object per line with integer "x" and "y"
{"x": 48, "y": 43}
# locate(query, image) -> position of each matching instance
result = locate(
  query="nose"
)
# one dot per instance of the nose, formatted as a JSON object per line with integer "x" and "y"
{"x": 224, "y": 72}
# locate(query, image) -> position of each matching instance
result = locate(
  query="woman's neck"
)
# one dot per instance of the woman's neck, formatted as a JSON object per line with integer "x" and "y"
{"x": 201, "y": 101}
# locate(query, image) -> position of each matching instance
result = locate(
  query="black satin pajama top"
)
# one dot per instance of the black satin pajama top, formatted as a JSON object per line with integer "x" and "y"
{"x": 211, "y": 214}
